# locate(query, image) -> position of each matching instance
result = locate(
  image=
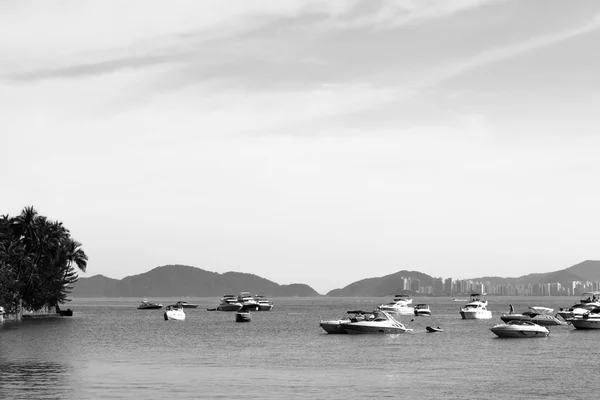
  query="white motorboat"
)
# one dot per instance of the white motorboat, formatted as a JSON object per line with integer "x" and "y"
{"x": 476, "y": 308}
{"x": 174, "y": 313}
{"x": 537, "y": 315}
{"x": 589, "y": 301}
{"x": 334, "y": 326}
{"x": 263, "y": 303}
{"x": 229, "y": 302}
{"x": 401, "y": 305}
{"x": 422, "y": 310}
{"x": 520, "y": 329}
{"x": 381, "y": 322}
{"x": 589, "y": 320}
{"x": 248, "y": 301}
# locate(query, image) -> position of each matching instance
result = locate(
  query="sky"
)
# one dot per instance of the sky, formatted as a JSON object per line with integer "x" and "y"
{"x": 315, "y": 142}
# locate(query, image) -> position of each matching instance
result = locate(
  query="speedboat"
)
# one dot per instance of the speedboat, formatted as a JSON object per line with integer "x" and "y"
{"x": 589, "y": 301}
{"x": 400, "y": 305}
{"x": 381, "y": 322}
{"x": 229, "y": 302}
{"x": 248, "y": 302}
{"x": 537, "y": 315}
{"x": 149, "y": 305}
{"x": 422, "y": 310}
{"x": 520, "y": 329}
{"x": 334, "y": 326}
{"x": 476, "y": 308}
{"x": 263, "y": 303}
{"x": 174, "y": 313}
{"x": 185, "y": 304}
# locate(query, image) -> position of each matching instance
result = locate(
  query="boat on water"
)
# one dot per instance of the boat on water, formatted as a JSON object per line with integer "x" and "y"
{"x": 263, "y": 303}
{"x": 248, "y": 301}
{"x": 432, "y": 329}
{"x": 174, "y": 313}
{"x": 588, "y": 302}
{"x": 149, "y": 305}
{"x": 422, "y": 310}
{"x": 185, "y": 304}
{"x": 229, "y": 302}
{"x": 400, "y": 305}
{"x": 520, "y": 329}
{"x": 334, "y": 326}
{"x": 381, "y": 322}
{"x": 589, "y": 320}
{"x": 242, "y": 316}
{"x": 476, "y": 308}
{"x": 535, "y": 314}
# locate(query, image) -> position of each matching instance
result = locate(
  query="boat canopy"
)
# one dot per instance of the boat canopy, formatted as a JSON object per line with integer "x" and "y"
{"x": 541, "y": 310}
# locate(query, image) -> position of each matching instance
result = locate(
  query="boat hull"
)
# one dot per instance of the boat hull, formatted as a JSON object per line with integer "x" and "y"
{"x": 229, "y": 307}
{"x": 354, "y": 328}
{"x": 174, "y": 316}
{"x": 585, "y": 323}
{"x": 479, "y": 314}
{"x": 504, "y": 332}
{"x": 243, "y": 317}
{"x": 333, "y": 327}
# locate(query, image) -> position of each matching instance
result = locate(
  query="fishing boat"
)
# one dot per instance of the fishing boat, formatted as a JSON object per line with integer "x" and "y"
{"x": 174, "y": 313}
{"x": 476, "y": 308}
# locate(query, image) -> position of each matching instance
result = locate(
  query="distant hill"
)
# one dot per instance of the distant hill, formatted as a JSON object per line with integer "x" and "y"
{"x": 588, "y": 270}
{"x": 388, "y": 285}
{"x": 182, "y": 280}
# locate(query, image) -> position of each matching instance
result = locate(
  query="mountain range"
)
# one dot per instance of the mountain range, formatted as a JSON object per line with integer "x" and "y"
{"x": 182, "y": 280}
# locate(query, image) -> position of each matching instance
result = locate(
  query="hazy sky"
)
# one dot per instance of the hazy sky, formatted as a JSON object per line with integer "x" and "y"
{"x": 307, "y": 142}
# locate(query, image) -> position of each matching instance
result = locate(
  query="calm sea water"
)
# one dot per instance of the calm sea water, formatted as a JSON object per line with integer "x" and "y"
{"x": 111, "y": 350}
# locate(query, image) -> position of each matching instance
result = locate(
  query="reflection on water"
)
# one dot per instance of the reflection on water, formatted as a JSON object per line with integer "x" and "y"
{"x": 30, "y": 379}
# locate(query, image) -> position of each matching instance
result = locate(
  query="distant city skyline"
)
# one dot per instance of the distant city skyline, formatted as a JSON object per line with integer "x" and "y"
{"x": 304, "y": 141}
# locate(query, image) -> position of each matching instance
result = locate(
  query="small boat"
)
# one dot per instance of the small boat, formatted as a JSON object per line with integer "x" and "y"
{"x": 334, "y": 326}
{"x": 149, "y": 305}
{"x": 263, "y": 303}
{"x": 174, "y": 313}
{"x": 400, "y": 305}
{"x": 242, "y": 316}
{"x": 185, "y": 304}
{"x": 476, "y": 308}
{"x": 381, "y": 322}
{"x": 229, "y": 302}
{"x": 520, "y": 329}
{"x": 537, "y": 315}
{"x": 422, "y": 310}
{"x": 431, "y": 329}
{"x": 248, "y": 302}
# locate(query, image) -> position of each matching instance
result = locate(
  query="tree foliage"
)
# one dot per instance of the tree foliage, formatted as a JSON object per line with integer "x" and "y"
{"x": 37, "y": 261}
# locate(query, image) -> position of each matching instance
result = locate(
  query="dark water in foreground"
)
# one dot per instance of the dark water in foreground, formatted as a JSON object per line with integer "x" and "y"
{"x": 111, "y": 350}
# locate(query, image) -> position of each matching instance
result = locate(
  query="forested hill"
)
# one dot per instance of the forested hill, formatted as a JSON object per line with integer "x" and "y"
{"x": 182, "y": 280}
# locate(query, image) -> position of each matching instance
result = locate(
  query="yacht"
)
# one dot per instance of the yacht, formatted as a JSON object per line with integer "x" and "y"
{"x": 263, "y": 303}
{"x": 589, "y": 320}
{"x": 380, "y": 322}
{"x": 174, "y": 313}
{"x": 149, "y": 305}
{"x": 248, "y": 302}
{"x": 422, "y": 310}
{"x": 476, "y": 308}
{"x": 589, "y": 301}
{"x": 537, "y": 315}
{"x": 229, "y": 302}
{"x": 400, "y": 305}
{"x": 520, "y": 329}
{"x": 334, "y": 326}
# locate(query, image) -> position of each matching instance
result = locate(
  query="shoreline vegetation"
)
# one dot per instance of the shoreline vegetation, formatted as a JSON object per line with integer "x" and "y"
{"x": 38, "y": 260}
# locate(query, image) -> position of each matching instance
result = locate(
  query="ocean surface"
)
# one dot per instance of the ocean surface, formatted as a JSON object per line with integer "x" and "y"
{"x": 111, "y": 350}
